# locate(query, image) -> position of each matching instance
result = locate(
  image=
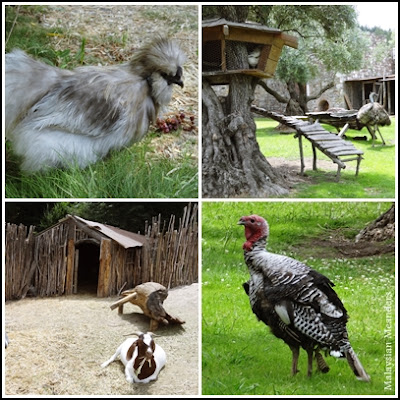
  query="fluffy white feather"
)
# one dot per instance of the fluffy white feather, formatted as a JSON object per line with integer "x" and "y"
{"x": 56, "y": 117}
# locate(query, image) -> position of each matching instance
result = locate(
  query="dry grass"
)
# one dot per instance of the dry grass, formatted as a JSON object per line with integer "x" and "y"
{"x": 58, "y": 344}
{"x": 114, "y": 32}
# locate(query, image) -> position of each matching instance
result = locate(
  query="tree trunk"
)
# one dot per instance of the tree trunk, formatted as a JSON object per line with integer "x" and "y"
{"x": 383, "y": 228}
{"x": 233, "y": 165}
{"x": 297, "y": 104}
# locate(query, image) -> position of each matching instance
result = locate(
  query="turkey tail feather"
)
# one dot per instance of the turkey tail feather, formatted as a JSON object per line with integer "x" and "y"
{"x": 356, "y": 366}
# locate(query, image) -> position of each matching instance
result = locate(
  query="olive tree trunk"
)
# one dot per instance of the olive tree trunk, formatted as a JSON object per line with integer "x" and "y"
{"x": 383, "y": 228}
{"x": 233, "y": 165}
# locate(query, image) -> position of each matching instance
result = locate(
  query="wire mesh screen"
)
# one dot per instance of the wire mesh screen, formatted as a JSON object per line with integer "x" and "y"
{"x": 212, "y": 56}
{"x": 219, "y": 56}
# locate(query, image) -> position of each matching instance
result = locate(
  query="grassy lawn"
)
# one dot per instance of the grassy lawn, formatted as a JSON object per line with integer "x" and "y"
{"x": 239, "y": 354}
{"x": 161, "y": 166}
{"x": 139, "y": 171}
{"x": 376, "y": 178}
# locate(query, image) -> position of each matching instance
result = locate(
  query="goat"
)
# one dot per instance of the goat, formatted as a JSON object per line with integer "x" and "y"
{"x": 143, "y": 359}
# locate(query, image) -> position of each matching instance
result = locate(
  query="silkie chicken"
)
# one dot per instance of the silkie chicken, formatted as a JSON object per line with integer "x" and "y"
{"x": 56, "y": 117}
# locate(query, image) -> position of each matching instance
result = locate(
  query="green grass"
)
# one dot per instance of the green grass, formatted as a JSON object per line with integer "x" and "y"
{"x": 376, "y": 178}
{"x": 24, "y": 31}
{"x": 135, "y": 172}
{"x": 239, "y": 354}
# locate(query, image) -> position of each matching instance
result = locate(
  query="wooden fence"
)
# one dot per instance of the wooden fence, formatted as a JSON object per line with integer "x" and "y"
{"x": 169, "y": 257}
{"x": 20, "y": 265}
{"x": 172, "y": 255}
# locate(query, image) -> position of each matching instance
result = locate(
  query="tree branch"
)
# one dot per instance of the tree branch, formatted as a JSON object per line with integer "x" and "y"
{"x": 272, "y": 92}
{"x": 324, "y": 89}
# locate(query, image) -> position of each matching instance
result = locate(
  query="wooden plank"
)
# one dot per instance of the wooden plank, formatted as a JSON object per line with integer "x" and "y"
{"x": 352, "y": 159}
{"x": 270, "y": 68}
{"x": 314, "y": 133}
{"x": 346, "y": 152}
{"x": 336, "y": 150}
{"x": 253, "y": 36}
{"x": 348, "y": 102}
{"x": 328, "y": 143}
{"x": 333, "y": 144}
{"x": 212, "y": 33}
{"x": 290, "y": 40}
{"x": 317, "y": 138}
{"x": 313, "y": 127}
{"x": 70, "y": 267}
{"x": 275, "y": 53}
{"x": 104, "y": 269}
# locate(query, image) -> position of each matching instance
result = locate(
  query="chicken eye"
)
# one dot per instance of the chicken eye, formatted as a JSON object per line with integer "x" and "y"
{"x": 252, "y": 221}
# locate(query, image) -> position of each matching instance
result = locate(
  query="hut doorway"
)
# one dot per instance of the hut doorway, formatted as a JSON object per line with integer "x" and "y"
{"x": 87, "y": 263}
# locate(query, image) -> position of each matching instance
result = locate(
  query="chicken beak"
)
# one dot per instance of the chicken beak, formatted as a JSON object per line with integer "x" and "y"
{"x": 241, "y": 222}
{"x": 179, "y": 82}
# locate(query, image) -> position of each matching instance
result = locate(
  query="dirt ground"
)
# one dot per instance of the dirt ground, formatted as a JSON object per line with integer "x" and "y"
{"x": 291, "y": 169}
{"x": 58, "y": 344}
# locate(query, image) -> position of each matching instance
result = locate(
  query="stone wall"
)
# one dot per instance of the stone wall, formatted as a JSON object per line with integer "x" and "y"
{"x": 334, "y": 97}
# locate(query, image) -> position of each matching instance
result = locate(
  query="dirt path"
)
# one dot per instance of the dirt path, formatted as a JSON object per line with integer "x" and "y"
{"x": 58, "y": 344}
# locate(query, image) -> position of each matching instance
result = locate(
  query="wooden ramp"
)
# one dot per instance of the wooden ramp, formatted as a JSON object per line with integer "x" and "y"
{"x": 332, "y": 145}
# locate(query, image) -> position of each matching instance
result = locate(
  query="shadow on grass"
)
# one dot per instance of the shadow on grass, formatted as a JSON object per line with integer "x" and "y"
{"x": 323, "y": 184}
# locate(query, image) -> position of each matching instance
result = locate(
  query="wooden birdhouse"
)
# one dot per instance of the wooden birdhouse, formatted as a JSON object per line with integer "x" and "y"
{"x": 263, "y": 46}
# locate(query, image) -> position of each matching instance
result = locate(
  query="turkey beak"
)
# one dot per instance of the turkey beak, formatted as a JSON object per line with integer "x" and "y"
{"x": 241, "y": 222}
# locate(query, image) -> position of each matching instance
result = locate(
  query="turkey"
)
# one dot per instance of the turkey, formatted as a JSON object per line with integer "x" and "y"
{"x": 296, "y": 302}
{"x": 373, "y": 115}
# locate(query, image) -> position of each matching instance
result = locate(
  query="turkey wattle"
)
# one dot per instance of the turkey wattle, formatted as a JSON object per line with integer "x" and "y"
{"x": 296, "y": 302}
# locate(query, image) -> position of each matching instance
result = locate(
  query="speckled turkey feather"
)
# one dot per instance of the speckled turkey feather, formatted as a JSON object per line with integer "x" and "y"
{"x": 295, "y": 301}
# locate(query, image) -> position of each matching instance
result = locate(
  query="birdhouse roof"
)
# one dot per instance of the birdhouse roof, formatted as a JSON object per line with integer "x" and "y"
{"x": 251, "y": 26}
{"x": 209, "y": 23}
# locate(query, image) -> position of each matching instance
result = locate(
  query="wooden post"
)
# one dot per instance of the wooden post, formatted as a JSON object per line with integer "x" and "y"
{"x": 301, "y": 156}
{"x": 103, "y": 286}
{"x": 358, "y": 164}
{"x": 338, "y": 173}
{"x": 314, "y": 158}
{"x": 344, "y": 130}
{"x": 223, "y": 55}
{"x": 70, "y": 266}
{"x": 75, "y": 283}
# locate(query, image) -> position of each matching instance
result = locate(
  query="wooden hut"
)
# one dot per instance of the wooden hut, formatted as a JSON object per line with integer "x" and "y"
{"x": 76, "y": 255}
{"x": 357, "y": 91}
{"x": 263, "y": 44}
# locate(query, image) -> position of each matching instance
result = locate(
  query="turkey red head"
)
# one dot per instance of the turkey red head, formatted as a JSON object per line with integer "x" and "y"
{"x": 255, "y": 229}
